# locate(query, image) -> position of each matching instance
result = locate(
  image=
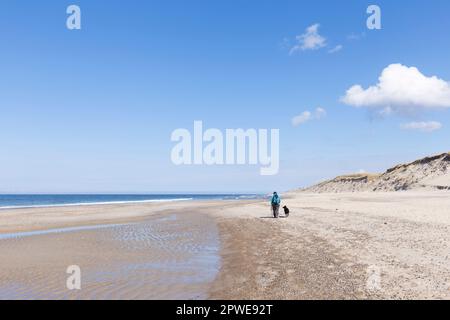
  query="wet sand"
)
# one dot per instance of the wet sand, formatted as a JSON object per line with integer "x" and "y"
{"x": 169, "y": 256}
{"x": 330, "y": 247}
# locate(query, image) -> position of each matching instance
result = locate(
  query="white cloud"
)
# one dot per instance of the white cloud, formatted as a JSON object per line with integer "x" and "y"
{"x": 401, "y": 89}
{"x": 302, "y": 118}
{"x": 336, "y": 49}
{"x": 310, "y": 40}
{"x": 429, "y": 126}
{"x": 307, "y": 116}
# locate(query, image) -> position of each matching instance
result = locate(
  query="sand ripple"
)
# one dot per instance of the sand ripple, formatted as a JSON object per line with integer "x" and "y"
{"x": 173, "y": 256}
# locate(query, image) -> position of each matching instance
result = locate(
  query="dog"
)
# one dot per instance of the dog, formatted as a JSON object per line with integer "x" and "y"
{"x": 286, "y": 211}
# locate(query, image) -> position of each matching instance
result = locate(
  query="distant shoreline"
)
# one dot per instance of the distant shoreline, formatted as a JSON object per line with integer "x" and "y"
{"x": 12, "y": 202}
{"x": 81, "y": 204}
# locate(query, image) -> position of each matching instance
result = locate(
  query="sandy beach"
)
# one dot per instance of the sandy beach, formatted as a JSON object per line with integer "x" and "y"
{"x": 383, "y": 245}
{"x": 331, "y": 245}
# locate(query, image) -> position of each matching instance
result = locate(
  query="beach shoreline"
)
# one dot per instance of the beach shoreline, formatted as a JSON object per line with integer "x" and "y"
{"x": 63, "y": 216}
{"x": 326, "y": 249}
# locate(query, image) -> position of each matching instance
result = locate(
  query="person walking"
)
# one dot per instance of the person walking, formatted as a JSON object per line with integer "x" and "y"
{"x": 275, "y": 202}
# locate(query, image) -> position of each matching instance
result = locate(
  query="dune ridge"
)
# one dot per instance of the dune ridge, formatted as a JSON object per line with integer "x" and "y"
{"x": 429, "y": 173}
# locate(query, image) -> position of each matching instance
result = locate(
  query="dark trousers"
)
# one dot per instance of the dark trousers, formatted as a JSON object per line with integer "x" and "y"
{"x": 275, "y": 210}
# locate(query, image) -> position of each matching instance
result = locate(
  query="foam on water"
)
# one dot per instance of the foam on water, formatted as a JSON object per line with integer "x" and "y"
{"x": 8, "y": 202}
{"x": 93, "y": 203}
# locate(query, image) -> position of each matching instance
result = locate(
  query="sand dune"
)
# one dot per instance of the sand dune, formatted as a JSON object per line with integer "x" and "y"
{"x": 430, "y": 173}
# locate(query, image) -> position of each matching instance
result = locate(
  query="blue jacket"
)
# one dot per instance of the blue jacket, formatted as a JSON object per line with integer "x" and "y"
{"x": 275, "y": 199}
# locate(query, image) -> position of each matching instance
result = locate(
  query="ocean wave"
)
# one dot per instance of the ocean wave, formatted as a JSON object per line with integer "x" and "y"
{"x": 93, "y": 203}
{"x": 242, "y": 197}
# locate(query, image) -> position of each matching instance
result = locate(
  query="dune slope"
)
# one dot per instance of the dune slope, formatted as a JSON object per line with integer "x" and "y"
{"x": 431, "y": 173}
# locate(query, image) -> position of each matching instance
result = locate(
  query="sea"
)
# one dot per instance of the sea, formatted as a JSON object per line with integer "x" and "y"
{"x": 16, "y": 201}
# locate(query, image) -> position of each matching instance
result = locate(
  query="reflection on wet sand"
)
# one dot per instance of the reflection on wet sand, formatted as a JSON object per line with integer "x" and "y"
{"x": 172, "y": 256}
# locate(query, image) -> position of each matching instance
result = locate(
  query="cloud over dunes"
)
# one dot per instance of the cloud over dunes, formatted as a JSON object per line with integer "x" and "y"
{"x": 401, "y": 89}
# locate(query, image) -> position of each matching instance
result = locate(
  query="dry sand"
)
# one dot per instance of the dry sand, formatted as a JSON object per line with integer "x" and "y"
{"x": 333, "y": 246}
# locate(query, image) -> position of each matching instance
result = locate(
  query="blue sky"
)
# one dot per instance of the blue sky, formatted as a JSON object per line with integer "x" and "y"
{"x": 92, "y": 110}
